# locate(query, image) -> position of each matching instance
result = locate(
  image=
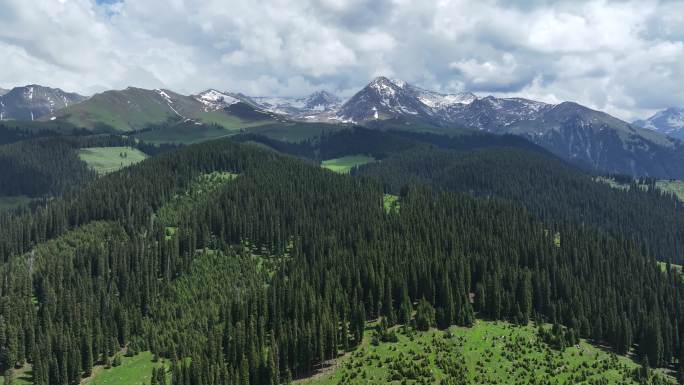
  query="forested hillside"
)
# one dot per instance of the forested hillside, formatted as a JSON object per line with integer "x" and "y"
{"x": 36, "y": 166}
{"x": 258, "y": 275}
{"x": 549, "y": 188}
{"x": 510, "y": 168}
{"x": 43, "y": 166}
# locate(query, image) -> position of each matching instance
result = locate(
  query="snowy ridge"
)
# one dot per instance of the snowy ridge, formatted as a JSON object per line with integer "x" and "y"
{"x": 669, "y": 122}
{"x": 214, "y": 100}
{"x": 436, "y": 100}
{"x": 312, "y": 107}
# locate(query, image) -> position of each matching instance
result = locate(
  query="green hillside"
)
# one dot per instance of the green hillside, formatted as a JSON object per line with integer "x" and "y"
{"x": 125, "y": 110}
{"x": 487, "y": 353}
{"x": 135, "y": 109}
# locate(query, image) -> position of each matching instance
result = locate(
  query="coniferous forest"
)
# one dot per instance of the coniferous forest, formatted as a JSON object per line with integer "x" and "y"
{"x": 244, "y": 265}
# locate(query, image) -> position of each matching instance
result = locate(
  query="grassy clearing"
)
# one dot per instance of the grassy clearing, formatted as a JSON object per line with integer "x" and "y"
{"x": 612, "y": 183}
{"x": 391, "y": 203}
{"x": 487, "y": 353}
{"x": 13, "y": 202}
{"x": 345, "y": 164}
{"x": 674, "y": 186}
{"x": 133, "y": 370}
{"x": 22, "y": 376}
{"x": 674, "y": 267}
{"x": 109, "y": 159}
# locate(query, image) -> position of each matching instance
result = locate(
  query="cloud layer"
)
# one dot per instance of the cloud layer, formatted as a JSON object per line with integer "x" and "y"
{"x": 625, "y": 57}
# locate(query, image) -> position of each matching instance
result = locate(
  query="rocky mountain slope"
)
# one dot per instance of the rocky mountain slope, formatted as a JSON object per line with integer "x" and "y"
{"x": 592, "y": 139}
{"x": 669, "y": 122}
{"x": 33, "y": 101}
{"x": 317, "y": 106}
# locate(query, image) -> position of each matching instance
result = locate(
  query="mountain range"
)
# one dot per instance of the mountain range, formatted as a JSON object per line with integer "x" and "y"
{"x": 669, "y": 122}
{"x": 314, "y": 106}
{"x": 135, "y": 109}
{"x": 592, "y": 139}
{"x": 33, "y": 101}
{"x": 589, "y": 138}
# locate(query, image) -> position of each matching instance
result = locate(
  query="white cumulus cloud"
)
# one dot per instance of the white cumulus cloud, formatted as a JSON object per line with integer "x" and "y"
{"x": 624, "y": 57}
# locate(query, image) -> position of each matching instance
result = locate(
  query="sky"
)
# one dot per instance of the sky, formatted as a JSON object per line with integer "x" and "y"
{"x": 622, "y": 57}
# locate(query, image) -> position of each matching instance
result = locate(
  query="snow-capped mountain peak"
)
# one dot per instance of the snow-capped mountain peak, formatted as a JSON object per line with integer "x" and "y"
{"x": 669, "y": 122}
{"x": 215, "y": 100}
{"x": 384, "y": 86}
{"x": 380, "y": 99}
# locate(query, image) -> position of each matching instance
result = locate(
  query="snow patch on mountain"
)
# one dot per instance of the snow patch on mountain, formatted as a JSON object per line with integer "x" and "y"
{"x": 669, "y": 122}
{"x": 676, "y": 120}
{"x": 33, "y": 102}
{"x": 214, "y": 100}
{"x": 318, "y": 106}
{"x": 168, "y": 100}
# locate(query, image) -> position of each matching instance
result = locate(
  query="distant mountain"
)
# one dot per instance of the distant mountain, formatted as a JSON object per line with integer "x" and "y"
{"x": 136, "y": 108}
{"x": 669, "y": 122}
{"x": 383, "y": 99}
{"x": 214, "y": 100}
{"x": 3, "y": 91}
{"x": 592, "y": 139}
{"x": 314, "y": 106}
{"x": 33, "y": 102}
{"x": 600, "y": 141}
{"x": 576, "y": 133}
